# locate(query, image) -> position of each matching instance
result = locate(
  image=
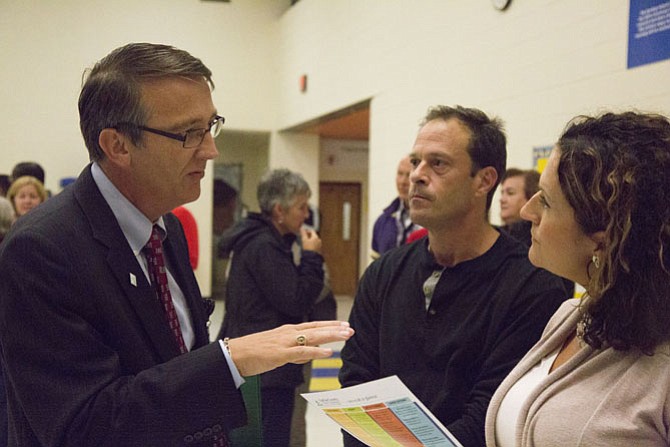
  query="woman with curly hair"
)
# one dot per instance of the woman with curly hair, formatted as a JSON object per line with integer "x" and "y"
{"x": 600, "y": 374}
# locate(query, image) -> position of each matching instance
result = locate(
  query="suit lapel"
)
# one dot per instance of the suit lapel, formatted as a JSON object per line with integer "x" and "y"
{"x": 124, "y": 266}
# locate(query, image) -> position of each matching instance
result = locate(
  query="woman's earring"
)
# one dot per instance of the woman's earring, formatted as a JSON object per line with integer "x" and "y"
{"x": 596, "y": 261}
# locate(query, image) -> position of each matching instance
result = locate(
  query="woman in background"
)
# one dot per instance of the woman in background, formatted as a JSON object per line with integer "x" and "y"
{"x": 267, "y": 287}
{"x": 600, "y": 374}
{"x": 26, "y": 193}
{"x": 6, "y": 221}
{"x": 7, "y": 217}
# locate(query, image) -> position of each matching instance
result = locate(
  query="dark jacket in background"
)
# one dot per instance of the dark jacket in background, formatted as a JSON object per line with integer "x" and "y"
{"x": 387, "y": 228}
{"x": 265, "y": 289}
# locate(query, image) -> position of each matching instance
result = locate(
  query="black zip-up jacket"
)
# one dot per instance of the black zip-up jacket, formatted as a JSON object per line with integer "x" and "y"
{"x": 265, "y": 289}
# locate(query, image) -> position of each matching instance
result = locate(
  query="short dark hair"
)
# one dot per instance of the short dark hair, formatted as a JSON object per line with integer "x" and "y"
{"x": 613, "y": 170}
{"x": 5, "y": 183}
{"x": 223, "y": 192}
{"x": 111, "y": 94}
{"x": 488, "y": 144}
{"x": 531, "y": 180}
{"x": 29, "y": 168}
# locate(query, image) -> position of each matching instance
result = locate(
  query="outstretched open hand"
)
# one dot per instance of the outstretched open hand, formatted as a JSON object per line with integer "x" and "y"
{"x": 290, "y": 343}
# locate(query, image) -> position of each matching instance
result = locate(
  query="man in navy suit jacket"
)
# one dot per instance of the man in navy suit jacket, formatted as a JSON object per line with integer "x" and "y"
{"x": 88, "y": 354}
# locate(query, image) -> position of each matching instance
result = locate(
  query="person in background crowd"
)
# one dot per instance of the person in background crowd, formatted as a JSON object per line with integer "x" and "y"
{"x": 394, "y": 225}
{"x": 516, "y": 188}
{"x": 452, "y": 313}
{"x": 224, "y": 212}
{"x": 224, "y": 207}
{"x": 32, "y": 169}
{"x": 325, "y": 308}
{"x": 600, "y": 375}
{"x": 190, "y": 227}
{"x": 6, "y": 220}
{"x": 7, "y": 216}
{"x": 5, "y": 183}
{"x": 103, "y": 330}
{"x": 266, "y": 289}
{"x": 26, "y": 193}
{"x": 28, "y": 168}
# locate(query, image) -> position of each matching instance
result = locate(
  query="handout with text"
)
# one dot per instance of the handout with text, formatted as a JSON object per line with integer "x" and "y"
{"x": 383, "y": 413}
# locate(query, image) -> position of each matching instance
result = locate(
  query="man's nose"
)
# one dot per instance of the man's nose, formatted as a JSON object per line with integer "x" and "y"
{"x": 418, "y": 173}
{"x": 207, "y": 148}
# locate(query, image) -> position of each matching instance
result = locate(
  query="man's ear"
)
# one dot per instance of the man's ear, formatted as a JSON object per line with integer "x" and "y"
{"x": 114, "y": 145}
{"x": 486, "y": 179}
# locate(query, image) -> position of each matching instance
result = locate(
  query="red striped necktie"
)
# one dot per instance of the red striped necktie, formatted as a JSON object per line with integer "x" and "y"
{"x": 153, "y": 251}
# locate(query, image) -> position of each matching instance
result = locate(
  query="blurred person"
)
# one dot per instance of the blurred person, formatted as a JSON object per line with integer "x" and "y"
{"x": 224, "y": 207}
{"x": 5, "y": 183}
{"x": 266, "y": 289}
{"x": 6, "y": 220}
{"x": 451, "y": 313}
{"x": 26, "y": 193}
{"x": 224, "y": 211}
{"x": 516, "y": 188}
{"x": 325, "y": 308}
{"x": 7, "y": 216}
{"x": 190, "y": 227}
{"x": 600, "y": 375}
{"x": 394, "y": 224}
{"x": 103, "y": 330}
{"x": 30, "y": 168}
{"x": 416, "y": 235}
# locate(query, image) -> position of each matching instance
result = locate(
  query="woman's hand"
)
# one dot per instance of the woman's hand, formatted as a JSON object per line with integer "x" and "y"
{"x": 310, "y": 240}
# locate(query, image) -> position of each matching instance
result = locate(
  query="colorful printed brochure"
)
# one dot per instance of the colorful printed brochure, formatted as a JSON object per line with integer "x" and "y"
{"x": 383, "y": 413}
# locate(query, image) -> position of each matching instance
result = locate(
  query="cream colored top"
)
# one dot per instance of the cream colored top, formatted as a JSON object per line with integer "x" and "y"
{"x": 597, "y": 398}
{"x": 512, "y": 402}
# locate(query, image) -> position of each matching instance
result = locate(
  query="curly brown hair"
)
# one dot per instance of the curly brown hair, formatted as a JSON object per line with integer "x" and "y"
{"x": 614, "y": 171}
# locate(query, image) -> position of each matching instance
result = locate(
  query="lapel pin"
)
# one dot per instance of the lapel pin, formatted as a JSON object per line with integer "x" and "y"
{"x": 133, "y": 280}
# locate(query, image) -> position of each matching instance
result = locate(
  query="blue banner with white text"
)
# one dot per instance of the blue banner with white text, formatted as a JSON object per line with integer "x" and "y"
{"x": 648, "y": 32}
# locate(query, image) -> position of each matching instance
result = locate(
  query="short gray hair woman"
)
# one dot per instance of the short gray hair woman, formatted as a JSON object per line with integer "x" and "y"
{"x": 7, "y": 217}
{"x": 266, "y": 288}
{"x": 280, "y": 187}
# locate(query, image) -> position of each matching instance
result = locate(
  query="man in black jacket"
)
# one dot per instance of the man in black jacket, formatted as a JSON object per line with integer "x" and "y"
{"x": 452, "y": 313}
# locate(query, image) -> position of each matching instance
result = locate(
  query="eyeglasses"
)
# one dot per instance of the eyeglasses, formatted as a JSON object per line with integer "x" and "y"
{"x": 191, "y": 138}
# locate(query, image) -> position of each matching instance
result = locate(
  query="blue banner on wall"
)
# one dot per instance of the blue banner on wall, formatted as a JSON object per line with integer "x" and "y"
{"x": 648, "y": 32}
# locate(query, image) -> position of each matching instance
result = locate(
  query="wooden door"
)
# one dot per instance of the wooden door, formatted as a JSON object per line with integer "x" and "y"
{"x": 340, "y": 206}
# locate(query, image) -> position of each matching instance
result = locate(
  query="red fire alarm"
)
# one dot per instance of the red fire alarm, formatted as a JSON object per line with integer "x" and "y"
{"x": 303, "y": 83}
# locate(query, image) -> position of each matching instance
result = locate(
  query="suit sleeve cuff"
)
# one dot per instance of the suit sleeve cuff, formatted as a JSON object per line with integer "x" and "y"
{"x": 237, "y": 378}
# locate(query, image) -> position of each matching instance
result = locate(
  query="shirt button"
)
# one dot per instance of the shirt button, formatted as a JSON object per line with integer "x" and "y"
{"x": 432, "y": 311}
